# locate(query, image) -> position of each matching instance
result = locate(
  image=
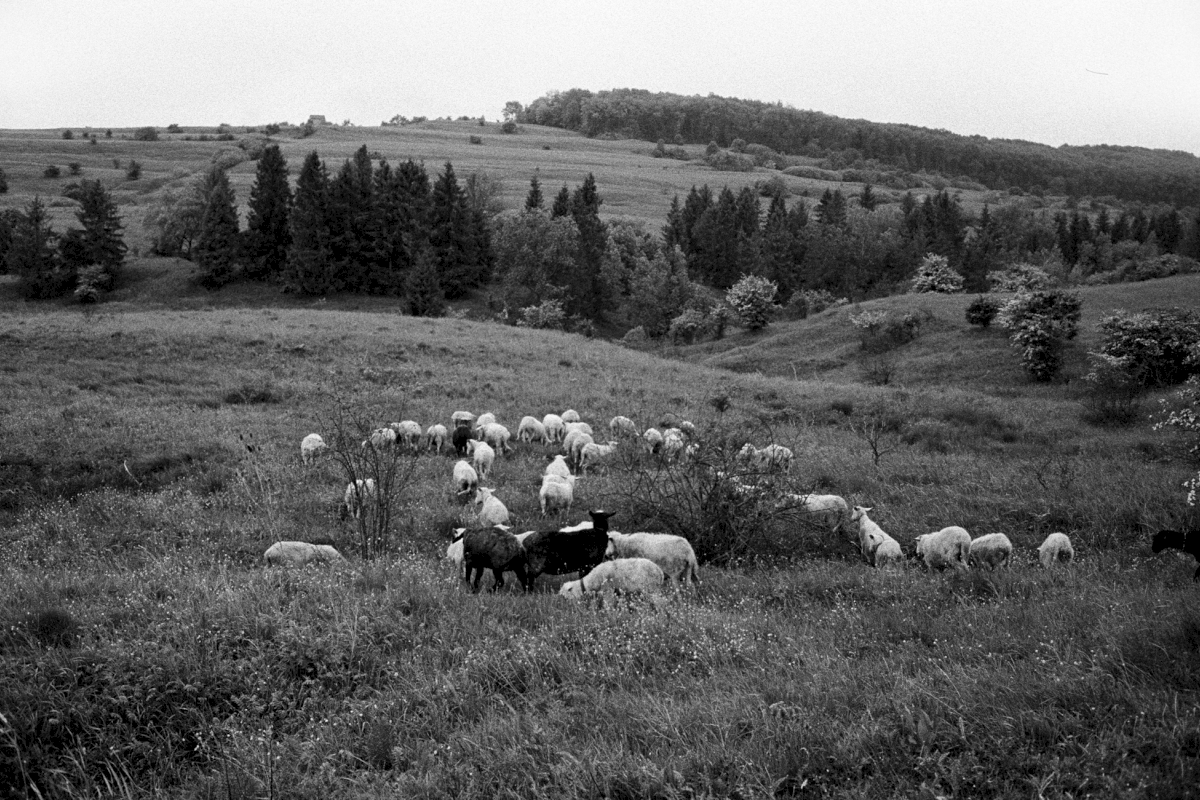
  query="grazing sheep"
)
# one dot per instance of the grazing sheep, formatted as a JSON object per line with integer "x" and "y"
{"x": 557, "y": 493}
{"x": 582, "y": 427}
{"x": 1056, "y": 549}
{"x": 491, "y": 510}
{"x": 555, "y": 427}
{"x": 991, "y": 550}
{"x": 592, "y": 453}
{"x": 578, "y": 548}
{"x": 461, "y": 439}
{"x": 530, "y": 429}
{"x": 877, "y": 547}
{"x": 497, "y": 436}
{"x": 311, "y": 448}
{"x": 436, "y": 437}
{"x": 625, "y": 575}
{"x": 775, "y": 457}
{"x": 482, "y": 422}
{"x": 454, "y": 552}
{"x": 949, "y": 547}
{"x": 573, "y": 444}
{"x": 356, "y": 497}
{"x": 674, "y": 554}
{"x": 408, "y": 433}
{"x": 496, "y": 549}
{"x": 688, "y": 428}
{"x": 1187, "y": 541}
{"x": 622, "y": 426}
{"x": 558, "y": 466}
{"x": 297, "y": 554}
{"x": 672, "y": 444}
{"x": 653, "y": 440}
{"x": 570, "y": 415}
{"x": 466, "y": 479}
{"x": 828, "y": 509}
{"x": 484, "y": 456}
{"x": 380, "y": 439}
{"x": 460, "y": 418}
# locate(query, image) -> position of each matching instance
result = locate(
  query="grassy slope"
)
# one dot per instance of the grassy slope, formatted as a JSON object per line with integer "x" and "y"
{"x": 129, "y": 502}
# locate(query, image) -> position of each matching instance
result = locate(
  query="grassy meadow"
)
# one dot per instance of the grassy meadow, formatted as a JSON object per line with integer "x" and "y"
{"x": 149, "y": 454}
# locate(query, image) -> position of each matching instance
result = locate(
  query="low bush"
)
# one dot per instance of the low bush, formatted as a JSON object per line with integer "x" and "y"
{"x": 1156, "y": 346}
{"x": 982, "y": 311}
{"x": 935, "y": 275}
{"x": 51, "y": 171}
{"x": 146, "y": 134}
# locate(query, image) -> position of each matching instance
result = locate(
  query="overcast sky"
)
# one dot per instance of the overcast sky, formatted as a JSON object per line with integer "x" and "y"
{"x": 1095, "y": 72}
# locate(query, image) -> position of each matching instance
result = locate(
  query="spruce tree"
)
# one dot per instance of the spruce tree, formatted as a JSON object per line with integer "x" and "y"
{"x": 831, "y": 210}
{"x": 673, "y": 232}
{"x": 310, "y": 269}
{"x": 216, "y": 249}
{"x": 562, "y": 203}
{"x": 868, "y": 199}
{"x": 588, "y": 296}
{"x": 748, "y": 211}
{"x": 453, "y": 237}
{"x": 352, "y": 234}
{"x": 268, "y": 235}
{"x": 33, "y": 257}
{"x": 424, "y": 290}
{"x": 101, "y": 241}
{"x": 533, "y": 200}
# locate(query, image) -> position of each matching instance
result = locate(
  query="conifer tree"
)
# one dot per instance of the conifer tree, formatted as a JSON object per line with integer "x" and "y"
{"x": 868, "y": 199}
{"x": 216, "y": 248}
{"x": 589, "y": 297}
{"x": 831, "y": 210}
{"x": 32, "y": 255}
{"x": 352, "y": 238}
{"x": 562, "y": 203}
{"x": 673, "y": 232}
{"x": 748, "y": 211}
{"x": 102, "y": 239}
{"x": 452, "y": 236}
{"x": 310, "y": 269}
{"x": 268, "y": 235}
{"x": 533, "y": 200}
{"x": 424, "y": 290}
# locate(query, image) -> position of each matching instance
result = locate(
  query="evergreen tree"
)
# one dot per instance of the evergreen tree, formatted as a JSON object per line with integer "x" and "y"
{"x": 352, "y": 238}
{"x": 533, "y": 200}
{"x": 562, "y": 203}
{"x": 424, "y": 290}
{"x": 714, "y": 256}
{"x": 694, "y": 206}
{"x": 831, "y": 210}
{"x": 268, "y": 235}
{"x": 216, "y": 249}
{"x": 868, "y": 199}
{"x": 748, "y": 211}
{"x": 672, "y": 232}
{"x": 8, "y": 222}
{"x": 310, "y": 269}
{"x": 776, "y": 248}
{"x": 33, "y": 257}
{"x": 453, "y": 237}
{"x": 589, "y": 297}
{"x": 102, "y": 241}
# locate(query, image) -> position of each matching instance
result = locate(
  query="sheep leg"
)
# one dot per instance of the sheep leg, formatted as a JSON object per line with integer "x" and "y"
{"x": 497, "y": 578}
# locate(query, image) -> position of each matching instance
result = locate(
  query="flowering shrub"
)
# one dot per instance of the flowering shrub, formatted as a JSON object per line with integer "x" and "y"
{"x": 751, "y": 298}
{"x": 1039, "y": 322}
{"x": 1156, "y": 345}
{"x": 935, "y": 275}
{"x": 549, "y": 315}
{"x": 812, "y": 301}
{"x": 1187, "y": 419}
{"x": 880, "y": 331}
{"x": 1019, "y": 278}
{"x": 1112, "y": 397}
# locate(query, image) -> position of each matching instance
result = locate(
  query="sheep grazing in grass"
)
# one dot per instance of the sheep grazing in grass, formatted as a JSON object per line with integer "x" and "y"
{"x": 454, "y": 551}
{"x": 380, "y": 439}
{"x": 436, "y": 437}
{"x": 877, "y": 547}
{"x": 557, "y": 466}
{"x": 1187, "y": 541}
{"x": 775, "y": 457}
{"x": 652, "y": 440}
{"x": 484, "y": 456}
{"x": 312, "y": 447}
{"x": 622, "y": 575}
{"x": 497, "y": 436}
{"x": 557, "y": 493}
{"x": 622, "y": 426}
{"x": 991, "y": 550}
{"x": 555, "y": 427}
{"x": 573, "y": 444}
{"x": 496, "y": 549}
{"x": 688, "y": 428}
{"x": 829, "y": 510}
{"x": 531, "y": 429}
{"x": 593, "y": 453}
{"x": 356, "y": 496}
{"x": 1056, "y": 549}
{"x": 461, "y": 439}
{"x": 466, "y": 479}
{"x": 949, "y": 547}
{"x": 672, "y": 443}
{"x": 298, "y": 554}
{"x": 491, "y": 510}
{"x": 482, "y": 422}
{"x": 578, "y": 548}
{"x": 570, "y": 415}
{"x": 673, "y": 554}
{"x": 582, "y": 427}
{"x": 408, "y": 433}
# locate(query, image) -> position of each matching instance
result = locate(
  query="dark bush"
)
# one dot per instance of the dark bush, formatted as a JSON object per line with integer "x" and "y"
{"x": 1156, "y": 346}
{"x": 476, "y": 139}
{"x": 146, "y": 134}
{"x": 67, "y": 134}
{"x": 51, "y": 171}
{"x": 982, "y": 311}
{"x": 508, "y": 127}
{"x": 133, "y": 171}
{"x": 271, "y": 129}
{"x": 174, "y": 128}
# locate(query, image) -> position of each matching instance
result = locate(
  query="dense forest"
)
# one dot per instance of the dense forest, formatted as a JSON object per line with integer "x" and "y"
{"x": 1129, "y": 173}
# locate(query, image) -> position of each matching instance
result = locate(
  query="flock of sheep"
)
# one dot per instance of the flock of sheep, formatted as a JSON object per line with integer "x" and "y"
{"x": 605, "y": 559}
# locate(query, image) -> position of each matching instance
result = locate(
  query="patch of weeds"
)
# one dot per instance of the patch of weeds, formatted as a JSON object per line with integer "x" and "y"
{"x": 254, "y": 393}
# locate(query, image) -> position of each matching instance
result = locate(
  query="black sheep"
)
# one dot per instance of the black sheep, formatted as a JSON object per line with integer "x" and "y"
{"x": 1187, "y": 541}
{"x": 495, "y": 549}
{"x": 460, "y": 437}
{"x": 578, "y": 548}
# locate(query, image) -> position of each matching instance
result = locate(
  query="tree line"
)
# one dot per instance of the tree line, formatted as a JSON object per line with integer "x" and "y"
{"x": 1130, "y": 173}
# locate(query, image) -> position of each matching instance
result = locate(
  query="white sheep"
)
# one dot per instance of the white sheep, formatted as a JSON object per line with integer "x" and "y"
{"x": 380, "y": 439}
{"x": 830, "y": 510}
{"x": 775, "y": 457}
{"x": 491, "y": 510}
{"x": 555, "y": 427}
{"x": 357, "y": 494}
{"x": 572, "y": 443}
{"x": 557, "y": 493}
{"x": 991, "y": 550}
{"x": 484, "y": 456}
{"x": 673, "y": 554}
{"x": 582, "y": 427}
{"x": 621, "y": 575}
{"x": 497, "y": 436}
{"x": 570, "y": 415}
{"x": 436, "y": 437}
{"x": 593, "y": 453}
{"x": 1056, "y": 549}
{"x": 530, "y": 429}
{"x": 672, "y": 444}
{"x": 688, "y": 428}
{"x": 949, "y": 547}
{"x": 482, "y": 422}
{"x": 653, "y": 440}
{"x": 558, "y": 466}
{"x": 408, "y": 433}
{"x": 622, "y": 426}
{"x": 297, "y": 554}
{"x": 877, "y": 547}
{"x": 466, "y": 480}
{"x": 311, "y": 448}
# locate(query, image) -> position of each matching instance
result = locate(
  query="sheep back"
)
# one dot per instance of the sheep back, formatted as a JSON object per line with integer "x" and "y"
{"x": 621, "y": 575}
{"x": 673, "y": 554}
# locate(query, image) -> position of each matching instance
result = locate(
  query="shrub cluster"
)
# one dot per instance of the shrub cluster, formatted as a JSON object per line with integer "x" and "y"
{"x": 147, "y": 134}
{"x": 548, "y": 315}
{"x": 1038, "y": 324}
{"x": 982, "y": 311}
{"x": 1157, "y": 346}
{"x": 935, "y": 275}
{"x": 1019, "y": 277}
{"x": 880, "y": 331}
{"x": 752, "y": 299}
{"x": 812, "y": 301}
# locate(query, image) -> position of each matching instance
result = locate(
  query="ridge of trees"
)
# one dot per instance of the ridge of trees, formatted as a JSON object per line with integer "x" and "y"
{"x": 1131, "y": 173}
